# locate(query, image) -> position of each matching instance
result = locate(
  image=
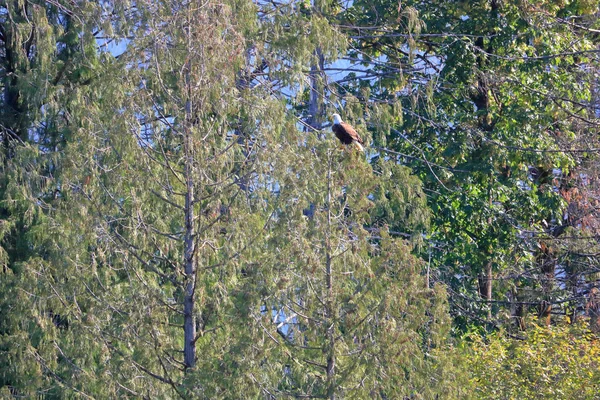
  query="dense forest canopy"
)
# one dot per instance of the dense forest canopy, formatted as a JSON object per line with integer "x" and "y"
{"x": 177, "y": 219}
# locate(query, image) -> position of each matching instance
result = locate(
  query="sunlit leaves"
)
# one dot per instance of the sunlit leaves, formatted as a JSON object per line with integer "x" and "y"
{"x": 560, "y": 362}
{"x": 496, "y": 88}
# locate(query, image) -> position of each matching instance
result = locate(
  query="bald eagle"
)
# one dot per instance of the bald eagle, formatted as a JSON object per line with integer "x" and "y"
{"x": 345, "y": 132}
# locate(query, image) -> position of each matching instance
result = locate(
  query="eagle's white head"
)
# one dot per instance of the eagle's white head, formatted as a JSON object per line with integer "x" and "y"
{"x": 337, "y": 119}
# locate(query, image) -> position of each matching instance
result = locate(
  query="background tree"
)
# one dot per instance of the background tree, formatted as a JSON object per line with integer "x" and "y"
{"x": 50, "y": 68}
{"x": 558, "y": 362}
{"x": 496, "y": 109}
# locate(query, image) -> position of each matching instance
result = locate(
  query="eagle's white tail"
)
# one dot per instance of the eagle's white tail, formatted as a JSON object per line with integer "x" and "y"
{"x": 360, "y": 147}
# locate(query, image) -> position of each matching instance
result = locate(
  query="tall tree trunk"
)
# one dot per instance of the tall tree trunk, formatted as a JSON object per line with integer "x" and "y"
{"x": 481, "y": 99}
{"x": 315, "y": 104}
{"x": 329, "y": 309}
{"x": 189, "y": 322}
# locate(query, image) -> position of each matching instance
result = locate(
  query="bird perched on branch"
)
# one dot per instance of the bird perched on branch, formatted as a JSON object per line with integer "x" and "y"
{"x": 346, "y": 133}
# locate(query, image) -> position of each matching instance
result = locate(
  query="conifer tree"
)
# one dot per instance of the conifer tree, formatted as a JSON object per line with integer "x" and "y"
{"x": 347, "y": 313}
{"x": 185, "y": 237}
{"x": 50, "y": 66}
{"x": 173, "y": 199}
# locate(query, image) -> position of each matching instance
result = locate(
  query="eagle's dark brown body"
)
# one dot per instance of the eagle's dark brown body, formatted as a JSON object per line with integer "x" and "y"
{"x": 345, "y": 132}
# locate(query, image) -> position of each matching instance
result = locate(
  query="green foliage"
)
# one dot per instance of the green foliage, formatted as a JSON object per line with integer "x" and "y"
{"x": 338, "y": 289}
{"x": 46, "y": 69}
{"x": 178, "y": 174}
{"x": 485, "y": 95}
{"x": 182, "y": 115}
{"x": 559, "y": 362}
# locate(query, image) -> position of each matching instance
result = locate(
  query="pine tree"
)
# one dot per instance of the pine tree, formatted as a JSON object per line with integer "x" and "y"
{"x": 186, "y": 237}
{"x": 173, "y": 198}
{"x": 50, "y": 66}
{"x": 347, "y": 312}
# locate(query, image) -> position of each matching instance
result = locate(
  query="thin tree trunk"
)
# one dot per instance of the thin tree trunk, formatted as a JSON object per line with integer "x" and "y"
{"x": 481, "y": 98}
{"x": 189, "y": 320}
{"x": 329, "y": 309}
{"x": 189, "y": 323}
{"x": 488, "y": 289}
{"x": 316, "y": 91}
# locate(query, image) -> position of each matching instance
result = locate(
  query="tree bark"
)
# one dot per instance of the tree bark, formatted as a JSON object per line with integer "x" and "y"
{"x": 329, "y": 309}
{"x": 315, "y": 108}
{"x": 189, "y": 320}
